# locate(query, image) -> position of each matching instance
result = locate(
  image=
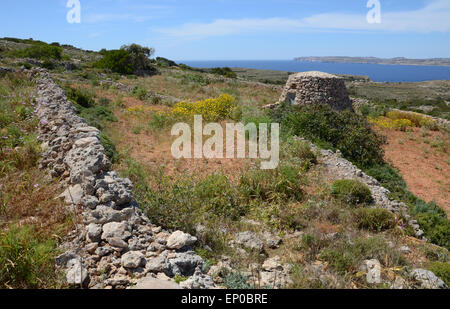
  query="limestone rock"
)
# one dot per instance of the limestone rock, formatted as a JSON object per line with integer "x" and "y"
{"x": 132, "y": 259}
{"x": 250, "y": 241}
{"x": 179, "y": 240}
{"x": 373, "y": 268}
{"x": 428, "y": 279}
{"x": 150, "y": 283}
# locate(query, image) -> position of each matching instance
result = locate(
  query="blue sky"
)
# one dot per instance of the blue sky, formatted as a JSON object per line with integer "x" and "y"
{"x": 239, "y": 29}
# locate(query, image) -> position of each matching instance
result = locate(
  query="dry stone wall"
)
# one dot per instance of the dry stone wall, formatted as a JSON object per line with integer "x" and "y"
{"x": 114, "y": 243}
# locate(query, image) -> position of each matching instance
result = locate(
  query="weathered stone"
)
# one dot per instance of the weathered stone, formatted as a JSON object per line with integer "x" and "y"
{"x": 179, "y": 240}
{"x": 77, "y": 273}
{"x": 373, "y": 269}
{"x": 94, "y": 232}
{"x": 115, "y": 229}
{"x": 272, "y": 264}
{"x": 250, "y": 241}
{"x": 428, "y": 279}
{"x": 132, "y": 259}
{"x": 198, "y": 281}
{"x": 150, "y": 283}
{"x": 185, "y": 263}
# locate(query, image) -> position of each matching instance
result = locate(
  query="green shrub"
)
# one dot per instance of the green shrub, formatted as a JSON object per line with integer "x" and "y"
{"x": 219, "y": 197}
{"x": 81, "y": 97}
{"x": 48, "y": 64}
{"x": 139, "y": 92}
{"x": 391, "y": 180}
{"x": 159, "y": 121}
{"x": 118, "y": 61}
{"x": 25, "y": 261}
{"x": 227, "y": 72}
{"x": 97, "y": 116}
{"x": 436, "y": 228}
{"x": 42, "y": 51}
{"x": 442, "y": 270}
{"x": 352, "y": 191}
{"x": 344, "y": 130}
{"x": 374, "y": 219}
{"x": 163, "y": 62}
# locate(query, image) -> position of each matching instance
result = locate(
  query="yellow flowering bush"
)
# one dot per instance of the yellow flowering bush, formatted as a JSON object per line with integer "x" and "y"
{"x": 417, "y": 119}
{"x": 212, "y": 109}
{"x": 399, "y": 120}
{"x": 135, "y": 109}
{"x": 391, "y": 124}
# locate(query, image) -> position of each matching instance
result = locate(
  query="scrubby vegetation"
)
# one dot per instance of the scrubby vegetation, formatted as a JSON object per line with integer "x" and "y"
{"x": 352, "y": 191}
{"x": 346, "y": 131}
{"x": 130, "y": 59}
{"x": 31, "y": 220}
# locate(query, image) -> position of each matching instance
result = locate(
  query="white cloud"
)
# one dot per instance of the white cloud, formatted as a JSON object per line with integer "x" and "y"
{"x": 98, "y": 18}
{"x": 434, "y": 17}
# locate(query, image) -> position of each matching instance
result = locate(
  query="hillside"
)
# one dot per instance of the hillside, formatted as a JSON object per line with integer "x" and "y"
{"x": 374, "y": 60}
{"x": 333, "y": 214}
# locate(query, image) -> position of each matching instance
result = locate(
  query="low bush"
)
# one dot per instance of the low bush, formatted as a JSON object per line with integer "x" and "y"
{"x": 227, "y": 72}
{"x": 442, "y": 270}
{"x": 436, "y": 228}
{"x": 139, "y": 92}
{"x": 346, "y": 131}
{"x": 352, "y": 191}
{"x": 211, "y": 109}
{"x": 41, "y": 51}
{"x": 374, "y": 219}
{"x": 414, "y": 118}
{"x": 82, "y": 97}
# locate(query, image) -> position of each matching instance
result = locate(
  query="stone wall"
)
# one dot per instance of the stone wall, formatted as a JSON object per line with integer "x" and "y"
{"x": 114, "y": 244}
{"x": 316, "y": 88}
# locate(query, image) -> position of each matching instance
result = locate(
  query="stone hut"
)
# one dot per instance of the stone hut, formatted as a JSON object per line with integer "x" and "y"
{"x": 316, "y": 88}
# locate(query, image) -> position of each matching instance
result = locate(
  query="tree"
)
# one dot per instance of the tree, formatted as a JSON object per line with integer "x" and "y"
{"x": 140, "y": 58}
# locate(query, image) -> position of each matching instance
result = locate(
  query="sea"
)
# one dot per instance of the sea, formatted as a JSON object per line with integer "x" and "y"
{"x": 376, "y": 72}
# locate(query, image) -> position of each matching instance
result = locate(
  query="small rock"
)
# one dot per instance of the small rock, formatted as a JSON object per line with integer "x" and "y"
{"x": 150, "y": 283}
{"x": 77, "y": 273}
{"x": 373, "y": 268}
{"x": 179, "y": 240}
{"x": 132, "y": 259}
{"x": 272, "y": 264}
{"x": 250, "y": 241}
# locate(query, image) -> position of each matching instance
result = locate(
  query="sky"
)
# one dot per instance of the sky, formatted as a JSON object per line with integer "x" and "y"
{"x": 239, "y": 29}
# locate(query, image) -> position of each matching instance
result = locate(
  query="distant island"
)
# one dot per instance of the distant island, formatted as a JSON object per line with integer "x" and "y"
{"x": 374, "y": 60}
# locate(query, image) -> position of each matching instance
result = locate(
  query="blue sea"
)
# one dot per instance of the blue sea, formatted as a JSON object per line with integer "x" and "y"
{"x": 376, "y": 72}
